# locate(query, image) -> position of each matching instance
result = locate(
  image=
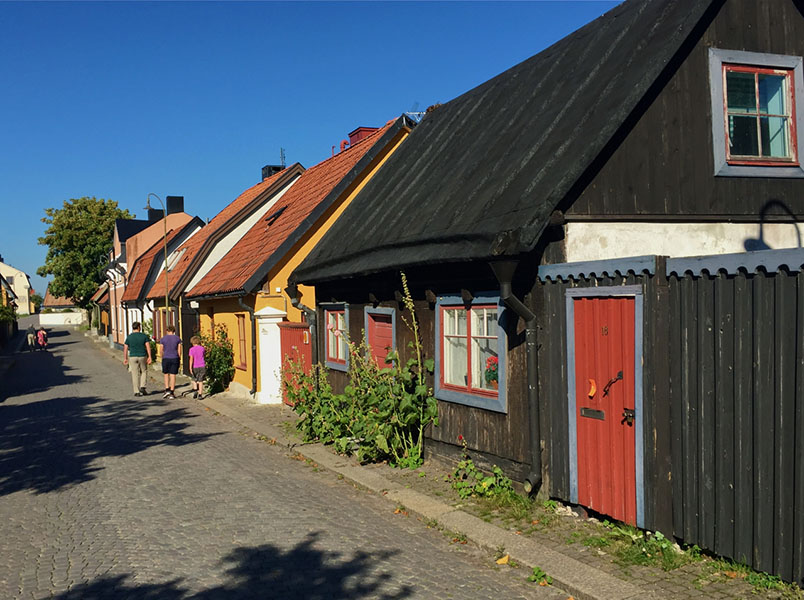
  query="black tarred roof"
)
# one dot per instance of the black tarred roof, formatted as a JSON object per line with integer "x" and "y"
{"x": 479, "y": 177}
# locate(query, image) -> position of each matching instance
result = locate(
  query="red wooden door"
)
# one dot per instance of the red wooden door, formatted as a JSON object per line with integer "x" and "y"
{"x": 605, "y": 394}
{"x": 380, "y": 336}
{"x": 294, "y": 340}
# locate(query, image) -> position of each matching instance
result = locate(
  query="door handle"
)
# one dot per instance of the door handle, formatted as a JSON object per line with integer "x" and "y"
{"x": 611, "y": 382}
{"x": 628, "y": 416}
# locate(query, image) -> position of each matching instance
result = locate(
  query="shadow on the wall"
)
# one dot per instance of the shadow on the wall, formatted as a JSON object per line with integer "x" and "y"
{"x": 759, "y": 243}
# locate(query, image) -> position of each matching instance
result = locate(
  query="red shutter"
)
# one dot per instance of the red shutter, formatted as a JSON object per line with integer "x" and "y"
{"x": 380, "y": 336}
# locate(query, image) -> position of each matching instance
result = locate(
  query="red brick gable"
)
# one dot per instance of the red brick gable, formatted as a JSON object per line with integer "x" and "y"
{"x": 195, "y": 249}
{"x": 266, "y": 236}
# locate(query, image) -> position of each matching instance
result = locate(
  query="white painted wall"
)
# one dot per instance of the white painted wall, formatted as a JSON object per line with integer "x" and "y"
{"x": 270, "y": 352}
{"x": 598, "y": 241}
{"x": 20, "y": 283}
{"x": 62, "y": 318}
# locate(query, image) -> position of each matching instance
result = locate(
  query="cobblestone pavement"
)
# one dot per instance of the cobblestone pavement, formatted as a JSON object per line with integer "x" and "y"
{"x": 103, "y": 495}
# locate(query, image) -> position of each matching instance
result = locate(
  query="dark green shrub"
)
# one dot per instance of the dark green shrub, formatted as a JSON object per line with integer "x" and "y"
{"x": 7, "y": 314}
{"x": 219, "y": 358}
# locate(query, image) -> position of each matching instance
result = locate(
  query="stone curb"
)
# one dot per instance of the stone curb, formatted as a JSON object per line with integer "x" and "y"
{"x": 579, "y": 579}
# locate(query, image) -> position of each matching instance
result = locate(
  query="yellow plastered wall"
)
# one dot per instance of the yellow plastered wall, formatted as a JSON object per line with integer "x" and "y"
{"x": 225, "y": 311}
{"x": 278, "y": 278}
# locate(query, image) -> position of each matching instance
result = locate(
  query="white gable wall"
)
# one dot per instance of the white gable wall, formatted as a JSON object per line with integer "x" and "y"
{"x": 227, "y": 243}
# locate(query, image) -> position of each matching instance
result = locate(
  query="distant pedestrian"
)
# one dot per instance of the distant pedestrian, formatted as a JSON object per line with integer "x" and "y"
{"x": 198, "y": 366}
{"x": 41, "y": 338}
{"x": 170, "y": 345}
{"x": 137, "y": 355}
{"x": 31, "y": 334}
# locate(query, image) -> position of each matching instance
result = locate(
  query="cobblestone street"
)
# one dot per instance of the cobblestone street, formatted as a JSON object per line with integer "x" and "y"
{"x": 103, "y": 495}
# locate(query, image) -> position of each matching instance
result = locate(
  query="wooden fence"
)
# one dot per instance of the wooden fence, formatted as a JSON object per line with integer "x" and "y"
{"x": 723, "y": 384}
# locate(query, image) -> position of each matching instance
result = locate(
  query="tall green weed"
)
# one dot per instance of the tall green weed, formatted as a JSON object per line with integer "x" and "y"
{"x": 383, "y": 411}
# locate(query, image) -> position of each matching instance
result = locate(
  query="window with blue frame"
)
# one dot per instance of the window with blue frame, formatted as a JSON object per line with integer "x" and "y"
{"x": 336, "y": 340}
{"x": 470, "y": 352}
{"x": 756, "y": 129}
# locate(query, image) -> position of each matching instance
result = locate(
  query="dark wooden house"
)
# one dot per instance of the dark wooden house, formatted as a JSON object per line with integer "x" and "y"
{"x": 543, "y": 220}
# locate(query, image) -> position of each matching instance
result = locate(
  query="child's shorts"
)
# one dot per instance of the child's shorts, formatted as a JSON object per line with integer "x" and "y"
{"x": 170, "y": 366}
{"x": 199, "y": 374}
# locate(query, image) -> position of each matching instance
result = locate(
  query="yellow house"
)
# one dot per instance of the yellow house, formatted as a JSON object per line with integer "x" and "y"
{"x": 7, "y": 295}
{"x": 244, "y": 286}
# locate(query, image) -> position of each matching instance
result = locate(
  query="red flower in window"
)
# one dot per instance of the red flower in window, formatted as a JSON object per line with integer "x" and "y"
{"x": 491, "y": 373}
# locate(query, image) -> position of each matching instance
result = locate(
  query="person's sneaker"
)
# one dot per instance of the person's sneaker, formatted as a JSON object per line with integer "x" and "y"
{"x": 138, "y": 394}
{"x": 166, "y": 394}
{"x": 142, "y": 392}
{"x": 195, "y": 395}
{"x": 171, "y": 396}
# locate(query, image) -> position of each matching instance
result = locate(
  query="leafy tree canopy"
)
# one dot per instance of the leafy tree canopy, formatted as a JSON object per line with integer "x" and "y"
{"x": 78, "y": 238}
{"x": 37, "y": 300}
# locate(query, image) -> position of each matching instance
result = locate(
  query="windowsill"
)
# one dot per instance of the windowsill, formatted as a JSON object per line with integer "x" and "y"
{"x": 485, "y": 401}
{"x": 241, "y": 367}
{"x": 740, "y": 169}
{"x": 336, "y": 366}
{"x": 762, "y": 162}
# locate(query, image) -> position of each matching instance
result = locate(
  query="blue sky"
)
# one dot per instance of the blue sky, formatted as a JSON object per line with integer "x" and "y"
{"x": 118, "y": 99}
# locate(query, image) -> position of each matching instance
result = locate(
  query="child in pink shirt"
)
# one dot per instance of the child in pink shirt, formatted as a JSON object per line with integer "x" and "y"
{"x": 197, "y": 366}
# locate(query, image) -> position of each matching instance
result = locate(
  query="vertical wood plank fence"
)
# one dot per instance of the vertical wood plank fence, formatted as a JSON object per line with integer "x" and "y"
{"x": 724, "y": 397}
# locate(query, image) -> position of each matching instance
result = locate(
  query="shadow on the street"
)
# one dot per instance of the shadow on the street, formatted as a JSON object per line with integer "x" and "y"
{"x": 50, "y": 368}
{"x": 51, "y": 444}
{"x": 268, "y": 572}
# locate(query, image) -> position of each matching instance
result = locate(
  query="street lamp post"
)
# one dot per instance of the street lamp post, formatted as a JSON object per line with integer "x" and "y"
{"x": 164, "y": 221}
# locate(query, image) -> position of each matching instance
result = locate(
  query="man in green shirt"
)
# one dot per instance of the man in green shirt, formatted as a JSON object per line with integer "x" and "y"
{"x": 137, "y": 355}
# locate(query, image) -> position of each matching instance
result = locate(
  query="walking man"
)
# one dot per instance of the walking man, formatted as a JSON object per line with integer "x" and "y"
{"x": 31, "y": 333}
{"x": 137, "y": 355}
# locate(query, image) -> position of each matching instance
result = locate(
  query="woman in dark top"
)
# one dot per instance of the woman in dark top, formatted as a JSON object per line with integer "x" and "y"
{"x": 171, "y": 351}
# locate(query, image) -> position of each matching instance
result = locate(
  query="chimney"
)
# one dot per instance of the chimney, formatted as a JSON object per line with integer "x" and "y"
{"x": 269, "y": 170}
{"x": 174, "y": 204}
{"x": 360, "y": 133}
{"x": 154, "y": 215}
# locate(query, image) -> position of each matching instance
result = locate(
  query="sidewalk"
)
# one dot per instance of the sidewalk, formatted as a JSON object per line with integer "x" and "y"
{"x": 585, "y": 572}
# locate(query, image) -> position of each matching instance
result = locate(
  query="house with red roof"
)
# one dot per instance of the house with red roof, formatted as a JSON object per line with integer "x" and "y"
{"x": 148, "y": 267}
{"x": 206, "y": 247}
{"x": 132, "y": 238}
{"x": 240, "y": 280}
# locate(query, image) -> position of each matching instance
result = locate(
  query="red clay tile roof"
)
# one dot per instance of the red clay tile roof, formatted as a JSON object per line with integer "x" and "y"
{"x": 102, "y": 288}
{"x": 51, "y": 301}
{"x": 263, "y": 239}
{"x": 194, "y": 247}
{"x": 139, "y": 273}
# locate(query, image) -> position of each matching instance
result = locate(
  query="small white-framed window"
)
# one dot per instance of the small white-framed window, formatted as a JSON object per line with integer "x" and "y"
{"x": 336, "y": 337}
{"x": 755, "y": 124}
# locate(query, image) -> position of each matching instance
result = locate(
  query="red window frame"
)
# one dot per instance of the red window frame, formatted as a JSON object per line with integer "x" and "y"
{"x": 334, "y": 358}
{"x": 468, "y": 388}
{"x": 241, "y": 338}
{"x": 790, "y": 99}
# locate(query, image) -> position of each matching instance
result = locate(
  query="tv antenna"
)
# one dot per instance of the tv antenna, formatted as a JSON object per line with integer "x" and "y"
{"x": 282, "y": 157}
{"x": 414, "y": 114}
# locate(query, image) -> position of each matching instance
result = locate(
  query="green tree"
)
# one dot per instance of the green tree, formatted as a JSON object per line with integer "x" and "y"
{"x": 37, "y": 300}
{"x": 78, "y": 238}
